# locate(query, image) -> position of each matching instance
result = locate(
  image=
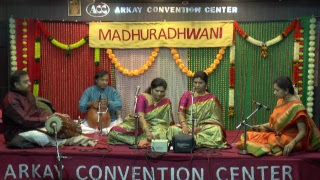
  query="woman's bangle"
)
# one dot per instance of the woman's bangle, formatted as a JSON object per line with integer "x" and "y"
{"x": 182, "y": 122}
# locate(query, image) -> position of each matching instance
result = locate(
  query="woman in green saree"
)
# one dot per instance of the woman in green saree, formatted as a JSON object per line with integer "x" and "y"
{"x": 207, "y": 111}
{"x": 155, "y": 114}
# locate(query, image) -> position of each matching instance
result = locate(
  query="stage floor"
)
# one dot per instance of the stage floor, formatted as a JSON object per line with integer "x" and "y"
{"x": 119, "y": 162}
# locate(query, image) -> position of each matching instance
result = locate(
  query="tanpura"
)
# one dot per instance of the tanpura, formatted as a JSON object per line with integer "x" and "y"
{"x": 98, "y": 115}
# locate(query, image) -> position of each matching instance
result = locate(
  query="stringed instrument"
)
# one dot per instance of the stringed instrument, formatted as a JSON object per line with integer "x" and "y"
{"x": 96, "y": 116}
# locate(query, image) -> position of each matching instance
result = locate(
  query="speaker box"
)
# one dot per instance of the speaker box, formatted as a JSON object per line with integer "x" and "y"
{"x": 183, "y": 143}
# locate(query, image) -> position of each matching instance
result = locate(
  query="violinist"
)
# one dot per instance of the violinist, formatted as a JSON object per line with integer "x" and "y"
{"x": 102, "y": 97}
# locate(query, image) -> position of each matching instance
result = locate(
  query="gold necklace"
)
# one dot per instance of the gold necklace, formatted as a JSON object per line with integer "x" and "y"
{"x": 154, "y": 102}
{"x": 197, "y": 94}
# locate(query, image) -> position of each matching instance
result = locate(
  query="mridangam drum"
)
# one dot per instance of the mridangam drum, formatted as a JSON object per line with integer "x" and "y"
{"x": 66, "y": 127}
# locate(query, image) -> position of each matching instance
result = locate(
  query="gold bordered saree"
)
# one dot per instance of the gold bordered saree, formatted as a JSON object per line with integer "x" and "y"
{"x": 158, "y": 117}
{"x": 208, "y": 114}
{"x": 283, "y": 122}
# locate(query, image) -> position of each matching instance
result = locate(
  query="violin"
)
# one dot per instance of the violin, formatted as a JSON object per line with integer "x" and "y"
{"x": 95, "y": 117}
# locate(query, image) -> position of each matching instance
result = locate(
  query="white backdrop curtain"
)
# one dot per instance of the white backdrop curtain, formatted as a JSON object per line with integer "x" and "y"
{"x": 164, "y": 66}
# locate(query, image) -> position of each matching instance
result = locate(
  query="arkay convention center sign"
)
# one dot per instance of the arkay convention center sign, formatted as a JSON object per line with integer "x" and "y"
{"x": 101, "y": 9}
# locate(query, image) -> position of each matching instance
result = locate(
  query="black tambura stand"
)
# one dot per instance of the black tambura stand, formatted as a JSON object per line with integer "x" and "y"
{"x": 244, "y": 124}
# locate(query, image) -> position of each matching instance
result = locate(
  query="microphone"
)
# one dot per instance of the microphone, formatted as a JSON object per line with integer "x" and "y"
{"x": 261, "y": 105}
{"x": 193, "y": 90}
{"x": 137, "y": 91}
{"x": 53, "y": 125}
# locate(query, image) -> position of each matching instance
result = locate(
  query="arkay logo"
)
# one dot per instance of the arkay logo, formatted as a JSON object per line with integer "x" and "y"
{"x": 98, "y": 9}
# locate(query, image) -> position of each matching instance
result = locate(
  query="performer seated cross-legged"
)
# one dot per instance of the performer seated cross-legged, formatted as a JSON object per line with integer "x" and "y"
{"x": 24, "y": 123}
{"x": 100, "y": 96}
{"x": 207, "y": 111}
{"x": 155, "y": 114}
{"x": 289, "y": 129}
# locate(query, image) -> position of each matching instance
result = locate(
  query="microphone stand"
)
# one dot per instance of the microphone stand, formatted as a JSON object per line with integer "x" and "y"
{"x": 192, "y": 120}
{"x": 244, "y": 122}
{"x": 136, "y": 121}
{"x": 100, "y": 115}
{"x": 59, "y": 155}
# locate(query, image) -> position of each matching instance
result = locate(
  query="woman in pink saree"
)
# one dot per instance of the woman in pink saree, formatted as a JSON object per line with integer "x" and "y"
{"x": 155, "y": 114}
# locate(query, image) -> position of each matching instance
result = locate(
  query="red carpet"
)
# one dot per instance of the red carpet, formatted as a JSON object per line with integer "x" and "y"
{"x": 119, "y": 162}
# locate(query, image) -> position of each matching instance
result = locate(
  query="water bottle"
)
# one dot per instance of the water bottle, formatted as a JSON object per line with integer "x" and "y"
{"x": 96, "y": 134}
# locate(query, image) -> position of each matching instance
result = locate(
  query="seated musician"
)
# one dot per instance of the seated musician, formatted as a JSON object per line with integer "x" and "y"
{"x": 22, "y": 119}
{"x": 206, "y": 109}
{"x": 289, "y": 129}
{"x": 155, "y": 113}
{"x": 108, "y": 97}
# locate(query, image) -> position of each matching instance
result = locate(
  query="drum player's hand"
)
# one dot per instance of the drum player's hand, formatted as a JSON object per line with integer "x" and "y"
{"x": 63, "y": 115}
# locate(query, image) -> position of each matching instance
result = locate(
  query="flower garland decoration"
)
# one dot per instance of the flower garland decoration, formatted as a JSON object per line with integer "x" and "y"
{"x": 188, "y": 72}
{"x": 37, "y": 61}
{"x": 264, "y": 45}
{"x": 13, "y": 47}
{"x": 40, "y": 28}
{"x": 67, "y": 47}
{"x": 96, "y": 59}
{"x": 232, "y": 80}
{"x": 135, "y": 72}
{"x": 24, "y": 46}
{"x": 311, "y": 66}
{"x": 298, "y": 59}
